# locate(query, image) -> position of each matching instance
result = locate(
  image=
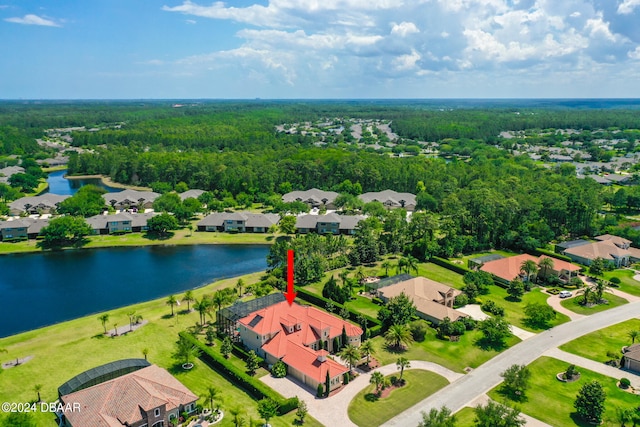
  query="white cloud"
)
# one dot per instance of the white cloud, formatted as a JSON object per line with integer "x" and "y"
{"x": 406, "y": 62}
{"x": 628, "y": 6}
{"x": 190, "y": 21}
{"x": 33, "y": 20}
{"x": 597, "y": 26}
{"x": 634, "y": 54}
{"x": 404, "y": 28}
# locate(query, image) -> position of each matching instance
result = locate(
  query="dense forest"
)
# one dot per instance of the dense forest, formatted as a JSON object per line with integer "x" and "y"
{"x": 488, "y": 198}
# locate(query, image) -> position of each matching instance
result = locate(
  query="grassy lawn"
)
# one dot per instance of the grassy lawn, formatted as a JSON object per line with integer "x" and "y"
{"x": 465, "y": 417}
{"x": 365, "y": 410}
{"x": 66, "y": 349}
{"x": 465, "y": 259}
{"x": 596, "y": 344}
{"x": 551, "y": 401}
{"x": 440, "y": 274}
{"x": 453, "y": 355}
{"x": 514, "y": 310}
{"x": 627, "y": 282}
{"x": 573, "y": 304}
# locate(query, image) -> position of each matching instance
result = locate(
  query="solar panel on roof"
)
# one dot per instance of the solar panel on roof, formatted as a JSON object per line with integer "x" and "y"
{"x": 255, "y": 320}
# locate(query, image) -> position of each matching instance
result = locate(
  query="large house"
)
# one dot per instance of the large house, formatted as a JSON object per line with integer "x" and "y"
{"x": 242, "y": 222}
{"x": 6, "y": 173}
{"x": 22, "y": 228}
{"x": 193, "y": 194}
{"x": 300, "y": 336}
{"x": 314, "y": 198}
{"x": 433, "y": 300}
{"x": 119, "y": 223}
{"x": 507, "y": 269}
{"x": 631, "y": 358}
{"x": 147, "y": 397}
{"x": 45, "y": 203}
{"x": 131, "y": 198}
{"x": 328, "y": 224}
{"x": 391, "y": 199}
{"x": 614, "y": 249}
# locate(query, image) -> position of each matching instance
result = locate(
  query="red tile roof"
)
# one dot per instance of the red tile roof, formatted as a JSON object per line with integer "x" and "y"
{"x": 306, "y": 361}
{"x": 122, "y": 400}
{"x": 511, "y": 267}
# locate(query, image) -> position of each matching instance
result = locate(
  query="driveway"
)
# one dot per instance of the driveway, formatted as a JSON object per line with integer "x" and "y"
{"x": 333, "y": 410}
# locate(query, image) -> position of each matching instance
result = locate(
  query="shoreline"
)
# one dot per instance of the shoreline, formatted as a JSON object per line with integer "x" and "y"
{"x": 108, "y": 182}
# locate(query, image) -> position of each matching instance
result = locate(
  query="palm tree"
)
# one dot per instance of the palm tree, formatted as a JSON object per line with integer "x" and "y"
{"x": 529, "y": 268}
{"x": 386, "y": 264}
{"x": 398, "y": 336}
{"x": 587, "y": 291}
{"x": 172, "y": 301}
{"x": 115, "y": 329}
{"x": 402, "y": 363}
{"x": 188, "y": 297}
{"x": 401, "y": 265}
{"x": 145, "y": 353}
{"x": 545, "y": 265}
{"x": 185, "y": 351}
{"x": 236, "y": 412}
{"x": 104, "y": 319}
{"x": 239, "y": 286}
{"x": 412, "y": 264}
{"x": 367, "y": 350}
{"x": 202, "y": 307}
{"x": 350, "y": 354}
{"x": 599, "y": 288}
{"x": 360, "y": 274}
{"x": 343, "y": 275}
{"x": 132, "y": 318}
{"x": 378, "y": 379}
{"x": 211, "y": 395}
{"x": 38, "y": 388}
{"x": 632, "y": 334}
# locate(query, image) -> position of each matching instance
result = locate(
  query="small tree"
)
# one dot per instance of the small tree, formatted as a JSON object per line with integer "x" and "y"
{"x": 239, "y": 286}
{"x": 211, "y": 395}
{"x": 327, "y": 385}
{"x": 516, "y": 380}
{"x": 399, "y": 336}
{"x": 185, "y": 351}
{"x": 516, "y": 289}
{"x": 252, "y": 362}
{"x": 38, "y": 388}
{"x": 320, "y": 391}
{"x": 378, "y": 380}
{"x": 438, "y": 418}
{"x": 189, "y": 298}
{"x": 495, "y": 414}
{"x": 302, "y": 411}
{"x": 367, "y": 350}
{"x": 210, "y": 335}
{"x": 570, "y": 372}
{"x": 104, "y": 318}
{"x": 268, "y": 408}
{"x": 279, "y": 369}
{"x": 145, "y": 353}
{"x": 539, "y": 314}
{"x": 351, "y": 355}
{"x": 633, "y": 335}
{"x": 590, "y": 402}
{"x": 495, "y": 330}
{"x": 172, "y": 301}
{"x": 402, "y": 363}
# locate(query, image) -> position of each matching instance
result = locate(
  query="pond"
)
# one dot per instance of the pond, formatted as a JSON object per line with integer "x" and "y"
{"x": 45, "y": 288}
{"x": 58, "y": 184}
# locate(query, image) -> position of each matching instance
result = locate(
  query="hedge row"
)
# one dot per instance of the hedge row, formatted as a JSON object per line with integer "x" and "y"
{"x": 460, "y": 269}
{"x": 321, "y": 301}
{"x": 253, "y": 386}
{"x": 540, "y": 251}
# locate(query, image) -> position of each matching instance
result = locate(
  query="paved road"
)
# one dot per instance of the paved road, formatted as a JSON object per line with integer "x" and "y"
{"x": 484, "y": 378}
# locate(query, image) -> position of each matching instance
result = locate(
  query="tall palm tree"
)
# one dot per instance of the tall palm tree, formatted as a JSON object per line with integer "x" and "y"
{"x": 367, "y": 350}
{"x": 633, "y": 335}
{"x": 202, "y": 307}
{"x": 145, "y": 353}
{"x": 402, "y": 363}
{"x": 360, "y": 274}
{"x": 188, "y": 297}
{"x": 412, "y": 264}
{"x": 545, "y": 264}
{"x": 529, "y": 268}
{"x": 132, "y": 318}
{"x": 401, "y": 265}
{"x": 38, "y": 388}
{"x": 599, "y": 288}
{"x": 378, "y": 379}
{"x": 344, "y": 276}
{"x": 587, "y": 291}
{"x": 386, "y": 264}
{"x": 239, "y": 286}
{"x": 350, "y": 354}
{"x": 211, "y": 395}
{"x": 172, "y": 301}
{"x": 186, "y": 351}
{"x": 104, "y": 318}
{"x": 399, "y": 336}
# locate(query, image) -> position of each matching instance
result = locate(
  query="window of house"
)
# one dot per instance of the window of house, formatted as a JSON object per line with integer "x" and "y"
{"x": 156, "y": 412}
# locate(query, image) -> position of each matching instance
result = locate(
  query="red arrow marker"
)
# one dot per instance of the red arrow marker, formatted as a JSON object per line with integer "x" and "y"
{"x": 290, "y": 295}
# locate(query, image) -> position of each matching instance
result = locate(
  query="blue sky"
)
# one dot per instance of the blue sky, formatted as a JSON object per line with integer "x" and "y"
{"x": 95, "y": 49}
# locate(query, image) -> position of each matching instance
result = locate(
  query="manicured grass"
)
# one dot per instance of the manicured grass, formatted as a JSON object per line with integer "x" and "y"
{"x": 465, "y": 259}
{"x": 514, "y": 310}
{"x": 465, "y": 417}
{"x": 440, "y": 274}
{"x": 453, "y": 355}
{"x": 364, "y": 305}
{"x": 365, "y": 410}
{"x": 66, "y": 349}
{"x": 595, "y": 345}
{"x": 627, "y": 283}
{"x": 551, "y": 401}
{"x": 573, "y": 304}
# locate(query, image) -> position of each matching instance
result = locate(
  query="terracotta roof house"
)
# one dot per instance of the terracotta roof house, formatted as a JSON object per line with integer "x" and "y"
{"x": 631, "y": 358}
{"x": 507, "y": 269}
{"x": 433, "y": 300}
{"x": 131, "y": 198}
{"x": 299, "y": 336}
{"x": 191, "y": 194}
{"x": 328, "y": 224}
{"x": 606, "y": 249}
{"x": 147, "y": 397}
{"x": 243, "y": 222}
{"x": 314, "y": 198}
{"x": 44, "y": 203}
{"x": 391, "y": 199}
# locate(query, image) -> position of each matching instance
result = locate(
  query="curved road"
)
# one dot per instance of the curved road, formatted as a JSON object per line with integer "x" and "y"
{"x": 463, "y": 391}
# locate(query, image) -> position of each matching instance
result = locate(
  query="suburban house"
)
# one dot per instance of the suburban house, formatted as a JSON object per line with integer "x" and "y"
{"x": 194, "y": 194}
{"x": 507, "y": 269}
{"x": 314, "y": 198}
{"x": 5, "y": 173}
{"x": 119, "y": 223}
{"x": 631, "y": 358}
{"x": 301, "y": 337}
{"x": 328, "y": 224}
{"x": 23, "y": 228}
{"x": 433, "y": 300}
{"x": 45, "y": 203}
{"x": 146, "y": 397}
{"x": 242, "y": 222}
{"x": 391, "y": 199}
{"x": 613, "y": 249}
{"x": 131, "y": 198}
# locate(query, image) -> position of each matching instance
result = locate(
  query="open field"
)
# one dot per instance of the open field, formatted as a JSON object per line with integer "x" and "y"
{"x": 551, "y": 401}
{"x": 365, "y": 411}
{"x": 574, "y": 305}
{"x": 64, "y": 350}
{"x": 595, "y": 345}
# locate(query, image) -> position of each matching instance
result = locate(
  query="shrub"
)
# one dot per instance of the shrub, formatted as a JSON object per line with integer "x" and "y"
{"x": 625, "y": 383}
{"x": 469, "y": 323}
{"x": 457, "y": 328}
{"x": 418, "y": 331}
{"x": 570, "y": 372}
{"x": 493, "y": 308}
{"x": 553, "y": 291}
{"x": 279, "y": 369}
{"x": 460, "y": 301}
{"x": 615, "y": 280}
{"x": 320, "y": 391}
{"x": 345, "y": 378}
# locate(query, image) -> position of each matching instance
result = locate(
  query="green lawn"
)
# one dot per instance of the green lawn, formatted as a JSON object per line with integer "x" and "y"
{"x": 465, "y": 417}
{"x": 453, "y": 355}
{"x": 551, "y": 401}
{"x": 465, "y": 259}
{"x": 66, "y": 349}
{"x": 595, "y": 345}
{"x": 573, "y": 304}
{"x": 365, "y": 411}
{"x": 440, "y": 274}
{"x": 514, "y": 310}
{"x": 627, "y": 282}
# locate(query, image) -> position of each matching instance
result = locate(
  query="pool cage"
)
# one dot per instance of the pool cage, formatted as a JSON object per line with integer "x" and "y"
{"x": 101, "y": 374}
{"x": 227, "y": 318}
{"x": 388, "y": 281}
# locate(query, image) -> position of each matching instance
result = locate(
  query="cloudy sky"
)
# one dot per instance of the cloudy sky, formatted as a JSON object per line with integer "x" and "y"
{"x": 67, "y": 49}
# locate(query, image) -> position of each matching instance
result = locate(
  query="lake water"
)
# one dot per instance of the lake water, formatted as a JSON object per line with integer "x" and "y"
{"x": 58, "y": 184}
{"x": 45, "y": 288}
